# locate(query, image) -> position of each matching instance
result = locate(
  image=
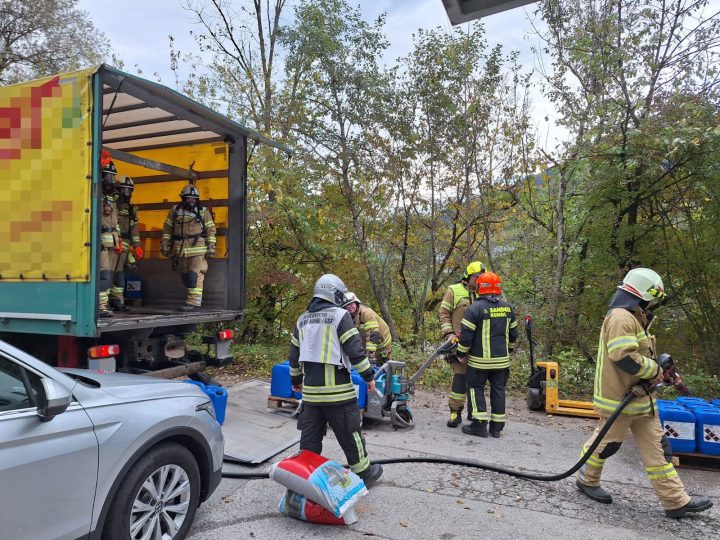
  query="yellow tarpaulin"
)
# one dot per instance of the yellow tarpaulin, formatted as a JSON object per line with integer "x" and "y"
{"x": 45, "y": 171}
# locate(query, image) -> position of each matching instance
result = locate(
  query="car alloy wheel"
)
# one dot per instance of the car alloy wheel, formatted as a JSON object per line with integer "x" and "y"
{"x": 161, "y": 504}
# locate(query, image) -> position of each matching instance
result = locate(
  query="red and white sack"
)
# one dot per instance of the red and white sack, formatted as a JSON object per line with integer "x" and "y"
{"x": 321, "y": 480}
{"x": 299, "y": 507}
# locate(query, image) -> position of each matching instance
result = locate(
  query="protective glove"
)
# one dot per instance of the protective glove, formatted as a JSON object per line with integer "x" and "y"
{"x": 210, "y": 251}
{"x": 462, "y": 358}
{"x": 118, "y": 248}
{"x": 139, "y": 252}
{"x": 165, "y": 249}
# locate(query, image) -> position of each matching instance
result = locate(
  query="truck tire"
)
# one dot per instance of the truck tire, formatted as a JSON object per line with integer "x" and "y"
{"x": 163, "y": 489}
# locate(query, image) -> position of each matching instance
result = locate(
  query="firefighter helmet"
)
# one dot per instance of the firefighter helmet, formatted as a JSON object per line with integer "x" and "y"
{"x": 189, "y": 191}
{"x": 350, "y": 298}
{"x": 331, "y": 288}
{"x": 125, "y": 182}
{"x": 475, "y": 267}
{"x": 108, "y": 172}
{"x": 644, "y": 283}
{"x": 488, "y": 283}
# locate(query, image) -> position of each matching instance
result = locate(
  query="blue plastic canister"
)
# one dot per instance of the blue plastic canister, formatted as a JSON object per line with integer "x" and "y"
{"x": 678, "y": 424}
{"x": 280, "y": 385}
{"x": 688, "y": 401}
{"x": 716, "y": 402}
{"x": 707, "y": 430}
{"x": 218, "y": 396}
{"x": 360, "y": 388}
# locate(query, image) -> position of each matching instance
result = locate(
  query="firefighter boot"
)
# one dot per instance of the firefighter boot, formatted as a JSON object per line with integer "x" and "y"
{"x": 596, "y": 493}
{"x": 371, "y": 474}
{"x": 477, "y": 428}
{"x": 188, "y": 307}
{"x": 696, "y": 504}
{"x": 455, "y": 418}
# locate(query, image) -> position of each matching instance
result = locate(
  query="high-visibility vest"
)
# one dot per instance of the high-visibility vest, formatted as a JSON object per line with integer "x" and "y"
{"x": 318, "y": 337}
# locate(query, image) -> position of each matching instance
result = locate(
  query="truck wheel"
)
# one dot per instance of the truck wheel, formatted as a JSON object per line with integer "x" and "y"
{"x": 158, "y": 498}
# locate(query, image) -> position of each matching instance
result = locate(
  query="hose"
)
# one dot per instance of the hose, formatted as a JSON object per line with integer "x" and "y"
{"x": 486, "y": 466}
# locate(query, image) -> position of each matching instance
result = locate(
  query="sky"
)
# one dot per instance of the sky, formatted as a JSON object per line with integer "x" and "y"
{"x": 138, "y": 31}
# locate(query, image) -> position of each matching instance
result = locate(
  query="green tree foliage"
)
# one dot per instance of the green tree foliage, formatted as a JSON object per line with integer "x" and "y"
{"x": 403, "y": 173}
{"x": 44, "y": 37}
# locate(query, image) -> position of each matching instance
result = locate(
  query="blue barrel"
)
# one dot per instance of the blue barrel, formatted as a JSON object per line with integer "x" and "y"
{"x": 218, "y": 396}
{"x": 360, "y": 388}
{"x": 678, "y": 424}
{"x": 707, "y": 430}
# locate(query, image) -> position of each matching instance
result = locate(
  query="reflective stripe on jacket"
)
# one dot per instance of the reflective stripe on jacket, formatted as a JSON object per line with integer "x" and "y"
{"x": 189, "y": 232}
{"x": 452, "y": 308}
{"x": 488, "y": 328}
{"x": 625, "y": 357}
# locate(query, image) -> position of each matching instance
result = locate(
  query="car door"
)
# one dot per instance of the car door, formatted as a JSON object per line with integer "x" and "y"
{"x": 48, "y": 470}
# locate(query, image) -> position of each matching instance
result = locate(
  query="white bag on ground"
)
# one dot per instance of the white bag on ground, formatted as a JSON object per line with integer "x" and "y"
{"x": 320, "y": 480}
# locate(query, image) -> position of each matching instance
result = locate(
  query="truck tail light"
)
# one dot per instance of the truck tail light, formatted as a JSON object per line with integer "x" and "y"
{"x": 224, "y": 335}
{"x": 104, "y": 351}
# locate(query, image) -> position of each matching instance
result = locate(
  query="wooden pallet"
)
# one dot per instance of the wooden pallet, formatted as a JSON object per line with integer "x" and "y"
{"x": 274, "y": 402}
{"x": 693, "y": 460}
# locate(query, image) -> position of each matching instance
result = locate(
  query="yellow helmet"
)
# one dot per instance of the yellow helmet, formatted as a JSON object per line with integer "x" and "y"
{"x": 475, "y": 267}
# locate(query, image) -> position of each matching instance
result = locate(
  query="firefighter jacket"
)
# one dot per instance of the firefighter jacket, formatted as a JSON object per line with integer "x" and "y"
{"x": 109, "y": 230}
{"x": 189, "y": 231}
{"x": 489, "y": 328}
{"x": 625, "y": 357}
{"x": 452, "y": 308}
{"x": 128, "y": 224}
{"x": 323, "y": 348}
{"x": 374, "y": 331}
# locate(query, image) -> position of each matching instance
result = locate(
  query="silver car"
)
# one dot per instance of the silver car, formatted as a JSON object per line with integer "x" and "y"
{"x": 87, "y": 454}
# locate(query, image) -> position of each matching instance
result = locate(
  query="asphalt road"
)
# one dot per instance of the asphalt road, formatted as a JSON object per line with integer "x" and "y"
{"x": 446, "y": 502}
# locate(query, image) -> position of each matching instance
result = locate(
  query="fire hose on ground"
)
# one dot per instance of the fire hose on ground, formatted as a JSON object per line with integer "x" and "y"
{"x": 484, "y": 466}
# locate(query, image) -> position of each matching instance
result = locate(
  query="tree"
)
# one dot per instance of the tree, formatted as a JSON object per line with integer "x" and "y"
{"x": 44, "y": 37}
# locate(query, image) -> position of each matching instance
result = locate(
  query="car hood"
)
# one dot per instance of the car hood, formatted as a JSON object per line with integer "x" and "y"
{"x": 126, "y": 385}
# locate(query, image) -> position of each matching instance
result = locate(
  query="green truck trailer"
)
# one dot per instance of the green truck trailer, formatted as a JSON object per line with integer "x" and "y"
{"x": 52, "y": 133}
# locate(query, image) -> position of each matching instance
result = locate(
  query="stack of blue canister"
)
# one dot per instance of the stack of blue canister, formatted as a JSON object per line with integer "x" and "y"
{"x": 691, "y": 424}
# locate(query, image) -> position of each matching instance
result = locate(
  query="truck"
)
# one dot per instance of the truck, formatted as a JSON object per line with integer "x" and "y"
{"x": 52, "y": 133}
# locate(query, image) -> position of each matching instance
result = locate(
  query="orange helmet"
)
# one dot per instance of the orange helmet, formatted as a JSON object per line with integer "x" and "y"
{"x": 488, "y": 283}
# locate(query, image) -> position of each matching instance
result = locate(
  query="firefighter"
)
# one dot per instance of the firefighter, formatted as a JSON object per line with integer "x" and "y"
{"x": 489, "y": 332}
{"x": 452, "y": 308}
{"x": 189, "y": 237}
{"x": 374, "y": 331}
{"x": 627, "y": 362}
{"x": 110, "y": 244}
{"x": 130, "y": 238}
{"x": 324, "y": 346}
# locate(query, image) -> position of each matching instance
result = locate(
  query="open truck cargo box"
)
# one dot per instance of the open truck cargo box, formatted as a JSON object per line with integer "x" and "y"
{"x": 52, "y": 132}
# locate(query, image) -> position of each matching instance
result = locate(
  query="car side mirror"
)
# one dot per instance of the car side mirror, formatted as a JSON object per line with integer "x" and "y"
{"x": 53, "y": 399}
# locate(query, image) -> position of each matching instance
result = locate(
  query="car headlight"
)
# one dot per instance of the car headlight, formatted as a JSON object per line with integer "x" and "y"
{"x": 208, "y": 407}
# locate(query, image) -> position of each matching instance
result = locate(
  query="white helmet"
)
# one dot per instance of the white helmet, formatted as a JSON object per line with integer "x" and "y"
{"x": 350, "y": 297}
{"x": 644, "y": 283}
{"x": 331, "y": 288}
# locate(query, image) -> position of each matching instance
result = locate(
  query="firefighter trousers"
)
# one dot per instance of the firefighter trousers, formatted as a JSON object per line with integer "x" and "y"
{"x": 458, "y": 387}
{"x": 477, "y": 409}
{"x": 108, "y": 260}
{"x": 648, "y": 435}
{"x": 192, "y": 272}
{"x": 117, "y": 292}
{"x": 344, "y": 420}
